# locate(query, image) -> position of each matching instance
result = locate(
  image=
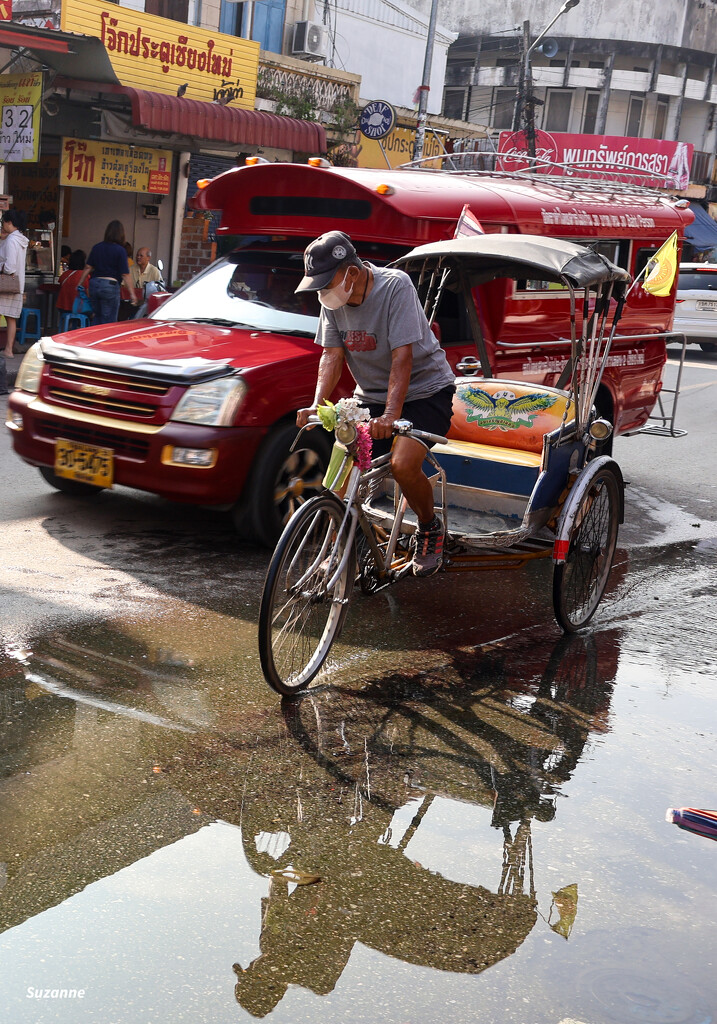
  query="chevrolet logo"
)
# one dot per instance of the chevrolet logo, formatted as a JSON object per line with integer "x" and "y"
{"x": 94, "y": 389}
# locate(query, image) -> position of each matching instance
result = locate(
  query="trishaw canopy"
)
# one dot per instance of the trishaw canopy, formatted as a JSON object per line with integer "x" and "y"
{"x": 485, "y": 257}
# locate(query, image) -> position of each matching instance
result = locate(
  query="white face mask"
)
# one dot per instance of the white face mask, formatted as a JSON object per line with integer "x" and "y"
{"x": 335, "y": 298}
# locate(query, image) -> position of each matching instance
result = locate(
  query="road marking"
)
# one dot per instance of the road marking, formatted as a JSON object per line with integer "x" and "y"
{"x": 697, "y": 366}
{"x": 691, "y": 387}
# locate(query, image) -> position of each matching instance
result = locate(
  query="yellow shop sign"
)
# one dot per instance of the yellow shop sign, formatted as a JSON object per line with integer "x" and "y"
{"x": 148, "y": 52}
{"x": 87, "y": 163}
{"x": 398, "y": 147}
{"x": 20, "y": 97}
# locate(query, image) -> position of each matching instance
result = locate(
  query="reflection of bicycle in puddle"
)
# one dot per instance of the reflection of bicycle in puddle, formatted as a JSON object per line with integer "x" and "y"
{"x": 414, "y": 805}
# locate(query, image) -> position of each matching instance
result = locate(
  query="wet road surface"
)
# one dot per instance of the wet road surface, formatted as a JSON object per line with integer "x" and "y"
{"x": 464, "y": 821}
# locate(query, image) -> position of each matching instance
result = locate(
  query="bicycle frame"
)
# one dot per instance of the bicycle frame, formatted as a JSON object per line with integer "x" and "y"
{"x": 365, "y": 483}
{"x": 351, "y": 486}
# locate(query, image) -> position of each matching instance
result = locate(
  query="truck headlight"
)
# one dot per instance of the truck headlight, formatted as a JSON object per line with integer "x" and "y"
{"x": 213, "y": 403}
{"x": 28, "y": 376}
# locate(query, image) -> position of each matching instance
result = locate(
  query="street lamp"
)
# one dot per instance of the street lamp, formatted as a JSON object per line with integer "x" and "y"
{"x": 567, "y": 6}
{"x": 526, "y": 87}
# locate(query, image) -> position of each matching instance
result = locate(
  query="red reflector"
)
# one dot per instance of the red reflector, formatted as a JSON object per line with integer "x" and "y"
{"x": 560, "y": 550}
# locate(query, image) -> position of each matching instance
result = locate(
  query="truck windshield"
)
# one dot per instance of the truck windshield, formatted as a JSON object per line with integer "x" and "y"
{"x": 248, "y": 288}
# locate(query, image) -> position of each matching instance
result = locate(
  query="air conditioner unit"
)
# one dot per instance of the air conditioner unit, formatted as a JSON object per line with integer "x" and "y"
{"x": 310, "y": 39}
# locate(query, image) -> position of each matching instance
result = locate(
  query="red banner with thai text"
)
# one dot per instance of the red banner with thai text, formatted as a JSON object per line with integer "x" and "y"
{"x": 656, "y": 162}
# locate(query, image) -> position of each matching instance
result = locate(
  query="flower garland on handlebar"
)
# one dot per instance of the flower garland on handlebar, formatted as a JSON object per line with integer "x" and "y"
{"x": 349, "y": 421}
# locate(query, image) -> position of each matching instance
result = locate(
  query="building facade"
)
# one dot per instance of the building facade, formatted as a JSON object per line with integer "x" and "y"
{"x": 638, "y": 70}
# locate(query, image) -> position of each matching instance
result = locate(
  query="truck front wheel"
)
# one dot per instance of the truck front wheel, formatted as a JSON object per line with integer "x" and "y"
{"x": 281, "y": 481}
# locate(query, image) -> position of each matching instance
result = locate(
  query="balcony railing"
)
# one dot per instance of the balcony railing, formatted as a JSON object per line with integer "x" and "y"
{"x": 463, "y": 75}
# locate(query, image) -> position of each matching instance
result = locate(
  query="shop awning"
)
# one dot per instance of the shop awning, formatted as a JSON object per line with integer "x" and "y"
{"x": 157, "y": 112}
{"x": 702, "y": 232}
{"x": 66, "y": 52}
{"x": 82, "y": 62}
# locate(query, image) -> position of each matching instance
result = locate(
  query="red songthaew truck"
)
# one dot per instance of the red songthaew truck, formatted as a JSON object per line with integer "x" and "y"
{"x": 197, "y": 402}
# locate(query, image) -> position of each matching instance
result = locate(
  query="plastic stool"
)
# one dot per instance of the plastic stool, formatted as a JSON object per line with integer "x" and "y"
{"x": 24, "y": 334}
{"x": 67, "y": 321}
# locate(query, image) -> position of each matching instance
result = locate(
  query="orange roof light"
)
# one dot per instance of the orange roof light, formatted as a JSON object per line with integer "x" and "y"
{"x": 252, "y": 161}
{"x": 203, "y": 182}
{"x": 385, "y": 190}
{"x": 319, "y": 161}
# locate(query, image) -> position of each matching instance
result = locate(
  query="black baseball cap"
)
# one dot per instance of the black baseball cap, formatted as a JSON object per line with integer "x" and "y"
{"x": 322, "y": 257}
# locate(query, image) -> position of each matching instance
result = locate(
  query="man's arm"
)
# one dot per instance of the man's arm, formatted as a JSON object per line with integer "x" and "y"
{"x": 398, "y": 381}
{"x": 331, "y": 365}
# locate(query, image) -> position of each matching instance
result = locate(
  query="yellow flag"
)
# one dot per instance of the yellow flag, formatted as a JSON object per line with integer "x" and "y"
{"x": 662, "y": 268}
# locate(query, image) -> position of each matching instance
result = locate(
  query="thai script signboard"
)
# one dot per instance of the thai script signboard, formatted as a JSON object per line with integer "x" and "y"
{"x": 656, "y": 162}
{"x": 87, "y": 163}
{"x": 397, "y": 147}
{"x": 160, "y": 55}
{"x": 20, "y": 97}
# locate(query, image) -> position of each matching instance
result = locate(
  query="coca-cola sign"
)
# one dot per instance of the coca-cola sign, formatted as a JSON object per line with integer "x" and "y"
{"x": 647, "y": 161}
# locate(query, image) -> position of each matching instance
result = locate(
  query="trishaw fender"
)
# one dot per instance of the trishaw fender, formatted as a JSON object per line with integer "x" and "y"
{"x": 566, "y": 521}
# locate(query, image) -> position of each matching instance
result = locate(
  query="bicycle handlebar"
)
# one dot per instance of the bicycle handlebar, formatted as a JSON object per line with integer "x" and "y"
{"x": 406, "y": 428}
{"x": 402, "y": 428}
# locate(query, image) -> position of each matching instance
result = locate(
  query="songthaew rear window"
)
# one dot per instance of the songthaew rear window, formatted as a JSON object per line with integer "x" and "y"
{"x": 310, "y": 206}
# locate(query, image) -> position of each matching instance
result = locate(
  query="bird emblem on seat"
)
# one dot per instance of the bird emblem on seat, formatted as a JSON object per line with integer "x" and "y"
{"x": 503, "y": 410}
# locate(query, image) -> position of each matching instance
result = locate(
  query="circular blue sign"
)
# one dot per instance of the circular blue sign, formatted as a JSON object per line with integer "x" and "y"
{"x": 378, "y": 119}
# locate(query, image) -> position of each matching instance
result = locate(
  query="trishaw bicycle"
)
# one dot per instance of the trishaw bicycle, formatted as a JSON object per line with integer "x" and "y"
{"x": 520, "y": 476}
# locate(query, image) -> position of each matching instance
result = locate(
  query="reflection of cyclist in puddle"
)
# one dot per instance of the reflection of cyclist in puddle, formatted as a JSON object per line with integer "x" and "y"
{"x": 365, "y": 759}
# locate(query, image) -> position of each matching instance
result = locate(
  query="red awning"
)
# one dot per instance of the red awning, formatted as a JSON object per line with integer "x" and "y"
{"x": 177, "y": 114}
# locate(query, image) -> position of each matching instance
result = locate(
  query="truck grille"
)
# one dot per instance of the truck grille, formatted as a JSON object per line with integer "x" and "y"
{"x": 107, "y": 379}
{"x": 105, "y": 391}
{"x": 102, "y": 403}
{"x": 127, "y": 446}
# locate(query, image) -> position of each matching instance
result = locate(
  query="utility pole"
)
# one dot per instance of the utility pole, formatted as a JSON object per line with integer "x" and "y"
{"x": 528, "y": 98}
{"x": 527, "y": 74}
{"x": 520, "y": 93}
{"x": 425, "y": 84}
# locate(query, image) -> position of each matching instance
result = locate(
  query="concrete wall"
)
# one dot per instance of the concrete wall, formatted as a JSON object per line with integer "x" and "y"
{"x": 691, "y": 23}
{"x": 385, "y": 43}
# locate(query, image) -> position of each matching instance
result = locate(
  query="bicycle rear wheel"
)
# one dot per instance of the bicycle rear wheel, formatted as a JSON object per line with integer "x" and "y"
{"x": 579, "y": 582}
{"x": 301, "y": 614}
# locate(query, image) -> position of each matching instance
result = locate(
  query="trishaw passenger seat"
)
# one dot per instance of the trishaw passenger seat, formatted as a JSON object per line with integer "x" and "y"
{"x": 506, "y": 414}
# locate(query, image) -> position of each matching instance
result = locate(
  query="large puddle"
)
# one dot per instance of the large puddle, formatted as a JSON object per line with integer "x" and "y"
{"x": 476, "y": 835}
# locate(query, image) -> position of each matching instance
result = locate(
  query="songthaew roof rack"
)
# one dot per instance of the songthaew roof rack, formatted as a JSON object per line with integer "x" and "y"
{"x": 573, "y": 177}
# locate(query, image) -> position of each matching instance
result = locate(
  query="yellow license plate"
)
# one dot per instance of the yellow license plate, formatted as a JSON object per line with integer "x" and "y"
{"x": 84, "y": 462}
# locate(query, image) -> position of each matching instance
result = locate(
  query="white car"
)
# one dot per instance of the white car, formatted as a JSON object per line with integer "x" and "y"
{"x": 696, "y": 304}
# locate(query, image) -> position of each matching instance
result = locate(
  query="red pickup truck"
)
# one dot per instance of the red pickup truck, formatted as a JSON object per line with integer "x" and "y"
{"x": 197, "y": 402}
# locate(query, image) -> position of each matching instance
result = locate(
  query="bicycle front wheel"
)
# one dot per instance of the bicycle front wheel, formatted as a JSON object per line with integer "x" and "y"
{"x": 305, "y": 597}
{"x": 579, "y": 582}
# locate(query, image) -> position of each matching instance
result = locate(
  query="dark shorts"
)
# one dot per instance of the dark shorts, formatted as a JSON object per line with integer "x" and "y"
{"x": 432, "y": 414}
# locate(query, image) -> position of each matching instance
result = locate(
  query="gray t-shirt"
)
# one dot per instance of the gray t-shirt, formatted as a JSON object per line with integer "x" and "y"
{"x": 389, "y": 317}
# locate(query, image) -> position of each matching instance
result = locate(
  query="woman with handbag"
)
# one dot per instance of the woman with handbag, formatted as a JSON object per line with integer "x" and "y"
{"x": 107, "y": 268}
{"x": 13, "y": 247}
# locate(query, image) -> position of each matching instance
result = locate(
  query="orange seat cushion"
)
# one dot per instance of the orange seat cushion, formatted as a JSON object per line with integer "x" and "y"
{"x": 505, "y": 413}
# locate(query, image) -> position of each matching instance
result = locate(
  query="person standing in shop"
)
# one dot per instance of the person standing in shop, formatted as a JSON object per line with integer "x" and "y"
{"x": 13, "y": 249}
{"x": 108, "y": 269}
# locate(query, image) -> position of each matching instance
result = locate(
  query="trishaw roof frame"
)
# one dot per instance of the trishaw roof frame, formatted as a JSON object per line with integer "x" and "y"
{"x": 488, "y": 256}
